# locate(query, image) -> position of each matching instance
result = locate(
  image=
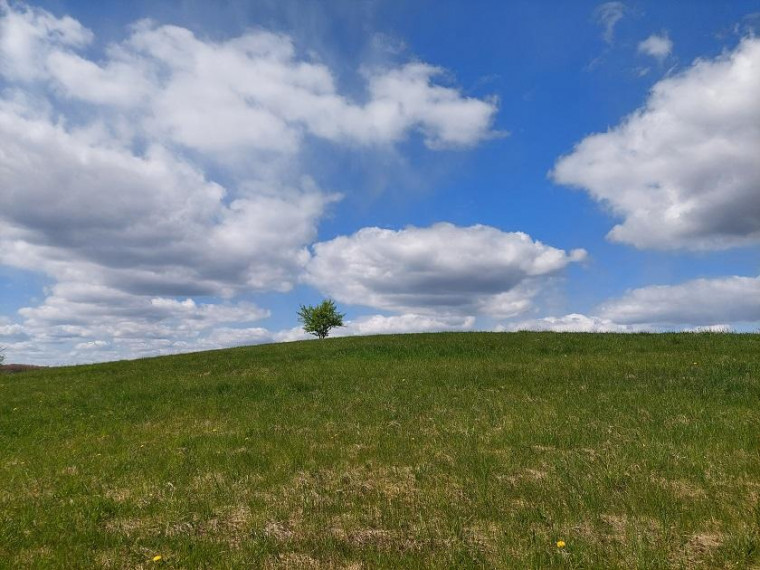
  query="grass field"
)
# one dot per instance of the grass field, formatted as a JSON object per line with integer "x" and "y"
{"x": 472, "y": 450}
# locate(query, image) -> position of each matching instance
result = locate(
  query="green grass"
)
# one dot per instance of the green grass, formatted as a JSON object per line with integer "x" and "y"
{"x": 471, "y": 450}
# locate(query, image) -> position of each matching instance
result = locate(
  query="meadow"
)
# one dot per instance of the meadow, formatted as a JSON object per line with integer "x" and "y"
{"x": 451, "y": 450}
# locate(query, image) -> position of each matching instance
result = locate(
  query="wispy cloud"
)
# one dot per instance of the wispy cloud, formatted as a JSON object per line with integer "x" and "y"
{"x": 608, "y": 15}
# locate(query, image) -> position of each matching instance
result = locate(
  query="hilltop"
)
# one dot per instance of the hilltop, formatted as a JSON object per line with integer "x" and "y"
{"x": 451, "y": 450}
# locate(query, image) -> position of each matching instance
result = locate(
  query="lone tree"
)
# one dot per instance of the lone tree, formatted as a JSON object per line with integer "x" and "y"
{"x": 320, "y": 319}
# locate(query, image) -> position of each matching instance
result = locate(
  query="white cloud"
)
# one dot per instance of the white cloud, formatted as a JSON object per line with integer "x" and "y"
{"x": 657, "y": 46}
{"x": 440, "y": 269}
{"x": 222, "y": 337}
{"x": 682, "y": 171}
{"x": 570, "y": 323}
{"x": 608, "y": 15}
{"x": 700, "y": 305}
{"x": 711, "y": 329}
{"x": 701, "y": 302}
{"x": 89, "y": 322}
{"x": 11, "y": 332}
{"x": 150, "y": 223}
{"x": 28, "y": 34}
{"x": 169, "y": 167}
{"x": 404, "y": 323}
{"x": 253, "y": 91}
{"x": 406, "y": 96}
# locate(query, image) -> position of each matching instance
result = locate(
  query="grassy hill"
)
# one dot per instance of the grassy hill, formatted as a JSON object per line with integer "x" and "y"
{"x": 415, "y": 451}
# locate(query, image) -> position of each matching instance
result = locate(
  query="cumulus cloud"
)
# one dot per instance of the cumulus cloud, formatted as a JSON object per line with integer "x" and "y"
{"x": 607, "y": 16}
{"x": 89, "y": 322}
{"x": 657, "y": 46}
{"x": 699, "y": 305}
{"x": 682, "y": 171}
{"x": 405, "y": 323}
{"x": 144, "y": 224}
{"x": 253, "y": 91}
{"x": 711, "y": 329}
{"x": 701, "y": 302}
{"x": 11, "y": 332}
{"x": 439, "y": 269}
{"x": 573, "y": 322}
{"x": 169, "y": 167}
{"x": 27, "y": 35}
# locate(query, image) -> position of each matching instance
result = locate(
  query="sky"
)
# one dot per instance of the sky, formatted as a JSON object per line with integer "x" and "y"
{"x": 182, "y": 175}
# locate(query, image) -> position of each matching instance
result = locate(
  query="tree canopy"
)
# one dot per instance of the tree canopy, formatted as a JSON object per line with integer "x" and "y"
{"x": 319, "y": 319}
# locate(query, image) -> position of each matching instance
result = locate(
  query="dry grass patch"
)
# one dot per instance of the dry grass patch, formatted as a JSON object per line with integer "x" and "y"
{"x": 330, "y": 485}
{"x": 377, "y": 538}
{"x": 132, "y": 527}
{"x": 528, "y": 474}
{"x": 681, "y": 489}
{"x": 620, "y": 527}
{"x": 617, "y": 526}
{"x": 34, "y": 556}
{"x": 122, "y": 559}
{"x": 119, "y": 494}
{"x": 483, "y": 536}
{"x": 230, "y": 525}
{"x": 298, "y": 561}
{"x": 279, "y": 531}
{"x": 700, "y": 547}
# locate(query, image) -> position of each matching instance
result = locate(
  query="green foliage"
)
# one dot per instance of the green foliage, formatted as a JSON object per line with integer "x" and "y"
{"x": 433, "y": 451}
{"x": 318, "y": 320}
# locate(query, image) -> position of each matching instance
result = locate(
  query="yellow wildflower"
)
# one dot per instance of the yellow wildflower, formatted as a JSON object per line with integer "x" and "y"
{"x": 560, "y": 544}
{"x": 157, "y": 558}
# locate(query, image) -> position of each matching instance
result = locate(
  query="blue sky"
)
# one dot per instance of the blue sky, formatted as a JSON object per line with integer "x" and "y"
{"x": 179, "y": 176}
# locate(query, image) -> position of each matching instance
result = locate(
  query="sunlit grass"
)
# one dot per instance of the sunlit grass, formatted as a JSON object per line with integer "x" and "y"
{"x": 528, "y": 450}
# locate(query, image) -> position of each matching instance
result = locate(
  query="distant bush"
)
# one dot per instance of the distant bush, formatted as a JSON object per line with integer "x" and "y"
{"x": 13, "y": 368}
{"x": 320, "y": 319}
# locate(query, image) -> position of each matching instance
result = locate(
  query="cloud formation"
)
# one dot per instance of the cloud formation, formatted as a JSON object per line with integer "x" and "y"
{"x": 168, "y": 166}
{"x": 405, "y": 323}
{"x": 573, "y": 322}
{"x": 439, "y": 269}
{"x": 682, "y": 172}
{"x": 699, "y": 305}
{"x": 80, "y": 322}
{"x": 657, "y": 46}
{"x": 701, "y": 302}
{"x": 249, "y": 92}
{"x": 147, "y": 224}
{"x": 608, "y": 15}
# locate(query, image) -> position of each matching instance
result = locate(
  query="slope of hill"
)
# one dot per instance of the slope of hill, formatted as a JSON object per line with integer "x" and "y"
{"x": 470, "y": 450}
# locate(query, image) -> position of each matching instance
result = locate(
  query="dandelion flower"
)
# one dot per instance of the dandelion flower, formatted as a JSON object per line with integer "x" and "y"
{"x": 560, "y": 544}
{"x": 157, "y": 558}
